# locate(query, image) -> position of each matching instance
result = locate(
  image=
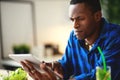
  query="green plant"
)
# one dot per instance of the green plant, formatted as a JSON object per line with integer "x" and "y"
{"x": 18, "y": 74}
{"x": 21, "y": 48}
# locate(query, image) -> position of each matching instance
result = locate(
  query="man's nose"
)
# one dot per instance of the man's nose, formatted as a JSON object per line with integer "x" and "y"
{"x": 75, "y": 24}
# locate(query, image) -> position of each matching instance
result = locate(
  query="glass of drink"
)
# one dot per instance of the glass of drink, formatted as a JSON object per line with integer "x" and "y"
{"x": 101, "y": 74}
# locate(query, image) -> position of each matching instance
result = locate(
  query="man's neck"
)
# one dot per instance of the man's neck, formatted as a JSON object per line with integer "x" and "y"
{"x": 90, "y": 40}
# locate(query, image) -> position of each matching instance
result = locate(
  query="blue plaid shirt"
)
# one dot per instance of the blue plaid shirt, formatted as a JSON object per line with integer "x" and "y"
{"x": 80, "y": 63}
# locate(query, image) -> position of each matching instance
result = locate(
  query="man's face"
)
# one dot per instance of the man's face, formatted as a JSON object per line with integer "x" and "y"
{"x": 84, "y": 21}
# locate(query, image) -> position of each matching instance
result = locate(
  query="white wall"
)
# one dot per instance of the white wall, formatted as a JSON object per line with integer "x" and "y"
{"x": 0, "y": 50}
{"x": 16, "y": 25}
{"x": 52, "y": 22}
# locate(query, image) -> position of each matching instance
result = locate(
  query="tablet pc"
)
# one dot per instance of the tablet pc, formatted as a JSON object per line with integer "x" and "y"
{"x": 20, "y": 57}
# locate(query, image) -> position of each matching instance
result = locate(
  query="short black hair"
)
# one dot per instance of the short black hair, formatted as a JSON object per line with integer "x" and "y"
{"x": 93, "y": 4}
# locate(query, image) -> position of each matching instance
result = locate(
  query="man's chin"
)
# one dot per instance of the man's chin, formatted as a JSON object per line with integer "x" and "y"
{"x": 80, "y": 38}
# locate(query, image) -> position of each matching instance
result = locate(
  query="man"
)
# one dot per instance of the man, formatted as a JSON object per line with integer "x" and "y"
{"x": 82, "y": 56}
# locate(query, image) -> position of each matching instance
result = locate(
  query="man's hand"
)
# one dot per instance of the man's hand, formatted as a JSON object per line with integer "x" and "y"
{"x": 51, "y": 70}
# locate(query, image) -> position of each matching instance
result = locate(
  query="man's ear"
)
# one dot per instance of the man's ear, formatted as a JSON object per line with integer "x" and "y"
{"x": 98, "y": 16}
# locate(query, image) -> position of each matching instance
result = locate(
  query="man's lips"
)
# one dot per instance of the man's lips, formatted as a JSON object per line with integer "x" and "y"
{"x": 77, "y": 32}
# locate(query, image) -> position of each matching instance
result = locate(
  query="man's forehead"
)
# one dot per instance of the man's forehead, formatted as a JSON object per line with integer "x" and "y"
{"x": 77, "y": 9}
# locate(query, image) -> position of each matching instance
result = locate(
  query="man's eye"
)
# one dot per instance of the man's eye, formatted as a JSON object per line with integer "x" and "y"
{"x": 72, "y": 19}
{"x": 80, "y": 18}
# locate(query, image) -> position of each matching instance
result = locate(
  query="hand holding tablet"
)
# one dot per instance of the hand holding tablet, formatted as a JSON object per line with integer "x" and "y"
{"x": 21, "y": 57}
{"x": 33, "y": 60}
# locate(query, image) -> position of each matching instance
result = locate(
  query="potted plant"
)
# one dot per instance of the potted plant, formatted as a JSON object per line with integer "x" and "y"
{"x": 21, "y": 49}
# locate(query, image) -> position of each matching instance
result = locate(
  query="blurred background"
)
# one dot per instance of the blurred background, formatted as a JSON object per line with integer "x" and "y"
{"x": 39, "y": 27}
{"x": 111, "y": 10}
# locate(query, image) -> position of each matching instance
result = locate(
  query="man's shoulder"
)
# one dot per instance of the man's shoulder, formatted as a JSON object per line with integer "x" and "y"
{"x": 114, "y": 25}
{"x": 112, "y": 32}
{"x": 112, "y": 29}
{"x": 109, "y": 27}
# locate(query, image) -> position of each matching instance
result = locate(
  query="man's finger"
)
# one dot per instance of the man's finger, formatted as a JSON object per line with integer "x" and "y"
{"x": 25, "y": 66}
{"x": 48, "y": 71}
{"x": 31, "y": 70}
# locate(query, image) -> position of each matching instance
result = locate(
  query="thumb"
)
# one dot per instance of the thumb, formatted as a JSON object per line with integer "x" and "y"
{"x": 48, "y": 71}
